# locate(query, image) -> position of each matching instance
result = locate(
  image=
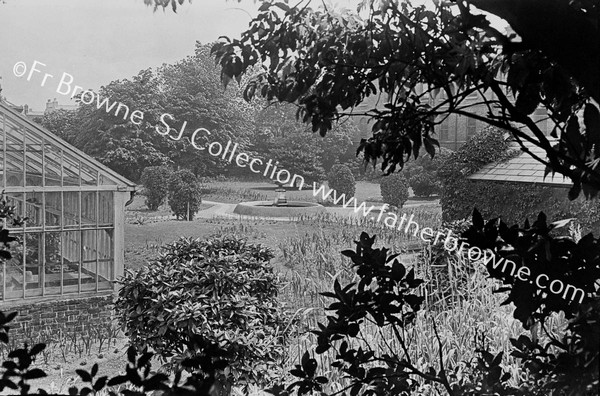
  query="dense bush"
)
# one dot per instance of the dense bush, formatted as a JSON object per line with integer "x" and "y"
{"x": 459, "y": 194}
{"x": 424, "y": 183}
{"x": 184, "y": 194}
{"x": 394, "y": 189}
{"x": 156, "y": 185}
{"x": 340, "y": 179}
{"x": 221, "y": 289}
{"x": 511, "y": 201}
{"x": 422, "y": 173}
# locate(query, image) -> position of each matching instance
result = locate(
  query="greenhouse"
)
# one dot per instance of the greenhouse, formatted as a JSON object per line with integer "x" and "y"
{"x": 72, "y": 240}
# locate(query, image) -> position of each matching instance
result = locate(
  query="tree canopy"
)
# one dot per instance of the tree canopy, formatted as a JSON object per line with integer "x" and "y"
{"x": 328, "y": 61}
{"x": 185, "y": 95}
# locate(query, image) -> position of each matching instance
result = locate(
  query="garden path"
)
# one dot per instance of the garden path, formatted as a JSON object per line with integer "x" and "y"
{"x": 219, "y": 209}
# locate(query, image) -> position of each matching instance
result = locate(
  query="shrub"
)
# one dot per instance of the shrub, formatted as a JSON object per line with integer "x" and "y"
{"x": 341, "y": 179}
{"x": 422, "y": 173}
{"x": 221, "y": 289}
{"x": 394, "y": 189}
{"x": 184, "y": 194}
{"x": 424, "y": 183}
{"x": 156, "y": 185}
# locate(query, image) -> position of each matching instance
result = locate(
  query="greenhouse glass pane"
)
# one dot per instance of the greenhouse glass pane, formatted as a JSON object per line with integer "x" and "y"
{"x": 16, "y": 200}
{"x": 71, "y": 252}
{"x": 14, "y": 273}
{"x": 88, "y": 260}
{"x": 105, "y": 208}
{"x": 107, "y": 181}
{"x": 71, "y": 170}
{"x": 105, "y": 259}
{"x": 52, "y": 262}
{"x": 89, "y": 175}
{"x": 14, "y": 154}
{"x": 52, "y": 172}
{"x": 33, "y": 243}
{"x": 33, "y": 164}
{"x": 34, "y": 210}
{"x": 71, "y": 209}
{"x": 53, "y": 209}
{"x": 88, "y": 207}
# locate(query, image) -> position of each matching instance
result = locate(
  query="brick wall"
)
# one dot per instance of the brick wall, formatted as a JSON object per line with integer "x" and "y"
{"x": 66, "y": 315}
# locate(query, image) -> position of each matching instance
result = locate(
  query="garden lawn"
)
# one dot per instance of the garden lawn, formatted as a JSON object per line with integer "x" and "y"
{"x": 365, "y": 191}
{"x": 138, "y": 213}
{"x": 143, "y": 242}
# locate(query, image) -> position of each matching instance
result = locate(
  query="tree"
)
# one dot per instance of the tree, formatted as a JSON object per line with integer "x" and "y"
{"x": 394, "y": 189}
{"x": 156, "y": 185}
{"x": 61, "y": 122}
{"x": 337, "y": 146}
{"x": 184, "y": 194}
{"x": 193, "y": 95}
{"x": 329, "y": 61}
{"x": 422, "y": 173}
{"x": 280, "y": 137}
{"x": 341, "y": 179}
{"x": 184, "y": 96}
{"x": 113, "y": 138}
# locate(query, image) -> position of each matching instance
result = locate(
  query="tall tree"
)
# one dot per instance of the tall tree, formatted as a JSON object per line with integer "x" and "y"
{"x": 194, "y": 95}
{"x": 60, "y": 122}
{"x": 183, "y": 96}
{"x": 109, "y": 131}
{"x": 329, "y": 61}
{"x": 277, "y": 132}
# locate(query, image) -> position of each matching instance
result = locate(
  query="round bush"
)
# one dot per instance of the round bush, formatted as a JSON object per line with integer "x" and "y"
{"x": 341, "y": 179}
{"x": 155, "y": 180}
{"x": 221, "y": 290}
{"x": 394, "y": 189}
{"x": 184, "y": 194}
{"x": 424, "y": 183}
{"x": 422, "y": 173}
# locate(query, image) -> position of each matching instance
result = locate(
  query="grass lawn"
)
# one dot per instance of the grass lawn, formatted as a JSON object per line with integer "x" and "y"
{"x": 365, "y": 191}
{"x": 143, "y": 242}
{"x": 138, "y": 213}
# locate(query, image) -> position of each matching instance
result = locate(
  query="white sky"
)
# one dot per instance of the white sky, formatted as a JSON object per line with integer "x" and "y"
{"x": 98, "y": 41}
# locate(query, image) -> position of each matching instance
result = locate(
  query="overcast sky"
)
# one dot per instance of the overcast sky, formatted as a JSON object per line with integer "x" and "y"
{"x": 98, "y": 41}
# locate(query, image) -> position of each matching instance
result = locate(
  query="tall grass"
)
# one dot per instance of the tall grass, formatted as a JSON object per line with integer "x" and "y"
{"x": 459, "y": 297}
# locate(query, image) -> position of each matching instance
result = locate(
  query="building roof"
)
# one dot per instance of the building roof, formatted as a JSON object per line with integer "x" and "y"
{"x": 71, "y": 156}
{"x": 522, "y": 168}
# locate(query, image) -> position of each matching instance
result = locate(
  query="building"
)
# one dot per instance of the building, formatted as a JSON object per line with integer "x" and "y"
{"x": 522, "y": 168}
{"x": 51, "y": 105}
{"x": 454, "y": 130}
{"x": 72, "y": 247}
